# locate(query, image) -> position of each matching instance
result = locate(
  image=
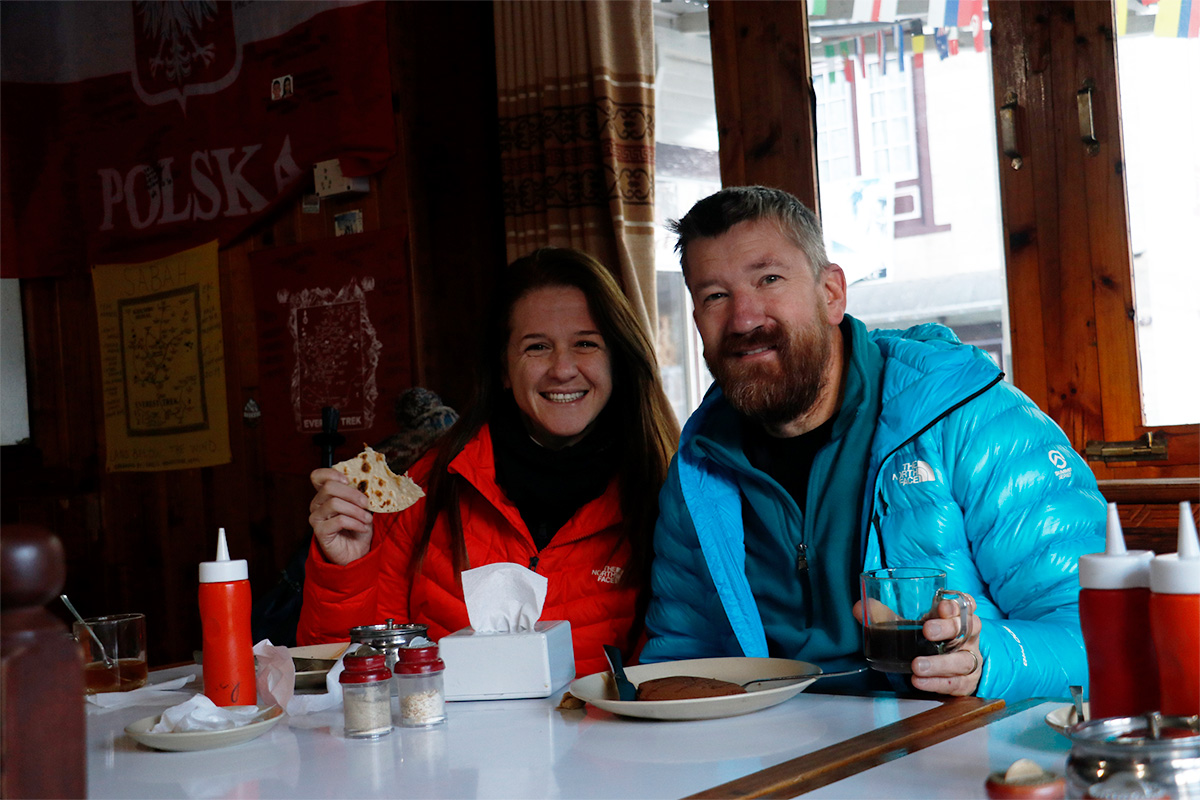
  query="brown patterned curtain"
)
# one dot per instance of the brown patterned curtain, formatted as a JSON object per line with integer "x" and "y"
{"x": 576, "y": 85}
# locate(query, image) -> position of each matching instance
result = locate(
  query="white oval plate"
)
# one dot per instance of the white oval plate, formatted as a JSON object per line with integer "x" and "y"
{"x": 1063, "y": 718}
{"x": 598, "y": 689}
{"x": 315, "y": 679}
{"x": 202, "y": 740}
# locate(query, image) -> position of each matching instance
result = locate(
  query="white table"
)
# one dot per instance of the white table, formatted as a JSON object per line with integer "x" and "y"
{"x": 529, "y": 749}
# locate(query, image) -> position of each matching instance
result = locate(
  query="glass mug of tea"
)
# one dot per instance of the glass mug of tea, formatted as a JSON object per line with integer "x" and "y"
{"x": 896, "y": 603}
{"x": 114, "y": 652}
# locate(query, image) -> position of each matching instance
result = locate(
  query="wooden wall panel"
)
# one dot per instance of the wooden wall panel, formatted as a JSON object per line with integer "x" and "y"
{"x": 133, "y": 540}
{"x": 764, "y": 97}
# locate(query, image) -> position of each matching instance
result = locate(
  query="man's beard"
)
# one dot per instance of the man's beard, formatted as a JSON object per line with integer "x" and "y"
{"x": 776, "y": 392}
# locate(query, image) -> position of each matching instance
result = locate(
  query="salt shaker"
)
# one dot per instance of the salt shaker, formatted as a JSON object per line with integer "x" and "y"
{"x": 419, "y": 685}
{"x": 366, "y": 695}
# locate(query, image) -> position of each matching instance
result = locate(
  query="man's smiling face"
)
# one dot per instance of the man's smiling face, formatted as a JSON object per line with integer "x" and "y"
{"x": 766, "y": 320}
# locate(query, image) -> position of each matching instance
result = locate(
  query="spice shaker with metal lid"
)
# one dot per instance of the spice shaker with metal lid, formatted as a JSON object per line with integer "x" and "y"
{"x": 419, "y": 685}
{"x": 1161, "y": 751}
{"x": 366, "y": 694}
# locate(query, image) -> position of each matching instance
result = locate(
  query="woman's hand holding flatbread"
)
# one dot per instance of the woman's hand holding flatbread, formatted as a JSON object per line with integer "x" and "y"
{"x": 347, "y": 494}
{"x": 339, "y": 517}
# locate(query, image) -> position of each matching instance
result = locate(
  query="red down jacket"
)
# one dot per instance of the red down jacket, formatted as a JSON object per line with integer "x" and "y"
{"x": 583, "y": 564}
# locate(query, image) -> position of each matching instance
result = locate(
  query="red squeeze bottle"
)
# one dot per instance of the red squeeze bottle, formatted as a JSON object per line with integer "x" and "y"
{"x": 225, "y": 617}
{"x": 1175, "y": 620}
{"x": 1114, "y": 612}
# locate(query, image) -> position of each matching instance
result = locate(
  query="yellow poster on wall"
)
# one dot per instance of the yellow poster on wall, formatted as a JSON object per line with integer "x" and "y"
{"x": 162, "y": 359}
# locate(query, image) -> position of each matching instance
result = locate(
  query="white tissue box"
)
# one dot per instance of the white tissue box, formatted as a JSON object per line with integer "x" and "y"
{"x": 496, "y": 666}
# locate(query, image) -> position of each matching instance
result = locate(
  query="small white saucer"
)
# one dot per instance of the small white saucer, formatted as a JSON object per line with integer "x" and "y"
{"x": 203, "y": 740}
{"x": 1064, "y": 717}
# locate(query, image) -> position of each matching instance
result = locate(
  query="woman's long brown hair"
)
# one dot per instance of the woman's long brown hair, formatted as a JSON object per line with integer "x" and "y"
{"x": 650, "y": 433}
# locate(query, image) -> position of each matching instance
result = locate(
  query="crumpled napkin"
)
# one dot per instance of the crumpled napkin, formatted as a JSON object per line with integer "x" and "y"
{"x": 503, "y": 597}
{"x": 198, "y": 713}
{"x": 150, "y": 694}
{"x": 276, "y": 681}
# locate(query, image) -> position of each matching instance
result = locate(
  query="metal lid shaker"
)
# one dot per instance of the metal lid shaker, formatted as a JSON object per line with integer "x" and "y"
{"x": 388, "y": 637}
{"x": 1162, "y": 752}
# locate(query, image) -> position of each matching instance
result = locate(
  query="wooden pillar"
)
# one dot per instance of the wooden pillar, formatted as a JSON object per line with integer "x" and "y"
{"x": 43, "y": 745}
{"x": 766, "y": 116}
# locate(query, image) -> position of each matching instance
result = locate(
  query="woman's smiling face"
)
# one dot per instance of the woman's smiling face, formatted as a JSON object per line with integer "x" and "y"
{"x": 557, "y": 365}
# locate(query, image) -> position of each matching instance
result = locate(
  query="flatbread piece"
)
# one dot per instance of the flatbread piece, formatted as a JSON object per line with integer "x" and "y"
{"x": 386, "y": 491}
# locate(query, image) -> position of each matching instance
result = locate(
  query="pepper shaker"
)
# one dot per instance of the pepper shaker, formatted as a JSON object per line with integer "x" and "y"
{"x": 366, "y": 695}
{"x": 419, "y": 685}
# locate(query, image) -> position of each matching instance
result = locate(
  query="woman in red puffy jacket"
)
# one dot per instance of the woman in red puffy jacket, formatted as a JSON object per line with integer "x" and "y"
{"x": 557, "y": 467}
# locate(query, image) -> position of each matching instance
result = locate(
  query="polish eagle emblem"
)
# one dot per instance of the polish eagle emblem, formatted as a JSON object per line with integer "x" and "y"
{"x": 175, "y": 25}
{"x": 183, "y": 48}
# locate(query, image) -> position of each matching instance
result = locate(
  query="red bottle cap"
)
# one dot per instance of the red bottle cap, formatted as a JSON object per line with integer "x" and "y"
{"x": 365, "y": 669}
{"x": 418, "y": 660}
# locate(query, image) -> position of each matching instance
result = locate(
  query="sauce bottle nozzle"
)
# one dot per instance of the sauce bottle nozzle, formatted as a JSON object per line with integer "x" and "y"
{"x": 1114, "y": 535}
{"x": 223, "y": 546}
{"x": 1189, "y": 545}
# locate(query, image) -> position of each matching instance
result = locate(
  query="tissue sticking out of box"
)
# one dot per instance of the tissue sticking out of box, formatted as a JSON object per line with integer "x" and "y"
{"x": 503, "y": 598}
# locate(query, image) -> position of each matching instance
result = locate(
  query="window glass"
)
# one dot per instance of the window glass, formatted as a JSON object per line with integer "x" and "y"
{"x": 1160, "y": 118}
{"x": 915, "y": 220}
{"x": 687, "y": 169}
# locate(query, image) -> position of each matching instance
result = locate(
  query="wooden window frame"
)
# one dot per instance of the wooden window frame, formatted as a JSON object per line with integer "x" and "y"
{"x": 1064, "y": 211}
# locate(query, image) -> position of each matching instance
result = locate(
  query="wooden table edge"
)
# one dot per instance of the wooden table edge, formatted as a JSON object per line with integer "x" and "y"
{"x": 843, "y": 759}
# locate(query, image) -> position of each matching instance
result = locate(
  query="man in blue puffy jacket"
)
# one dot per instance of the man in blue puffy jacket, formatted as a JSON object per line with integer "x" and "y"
{"x": 824, "y": 450}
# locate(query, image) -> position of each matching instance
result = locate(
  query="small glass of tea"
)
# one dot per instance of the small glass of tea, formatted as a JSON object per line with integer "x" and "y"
{"x": 123, "y": 637}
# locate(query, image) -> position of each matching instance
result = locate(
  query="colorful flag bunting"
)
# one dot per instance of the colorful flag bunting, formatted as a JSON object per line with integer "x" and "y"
{"x": 951, "y": 19}
{"x": 942, "y": 40}
{"x": 830, "y": 55}
{"x": 847, "y": 63}
{"x": 880, "y": 52}
{"x": 817, "y": 8}
{"x": 860, "y": 46}
{"x": 1178, "y": 19}
{"x": 972, "y": 11}
{"x": 898, "y": 35}
{"x": 1122, "y": 10}
{"x": 873, "y": 10}
{"x": 918, "y": 44}
{"x": 953, "y": 43}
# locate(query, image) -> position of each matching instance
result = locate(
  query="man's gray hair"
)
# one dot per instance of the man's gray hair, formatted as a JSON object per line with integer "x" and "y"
{"x": 717, "y": 213}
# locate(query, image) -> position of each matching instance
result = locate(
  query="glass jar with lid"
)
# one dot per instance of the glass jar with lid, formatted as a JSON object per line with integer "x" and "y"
{"x": 419, "y": 685}
{"x": 366, "y": 694}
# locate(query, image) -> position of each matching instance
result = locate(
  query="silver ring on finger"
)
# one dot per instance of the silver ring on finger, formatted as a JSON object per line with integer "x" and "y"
{"x": 975, "y": 662}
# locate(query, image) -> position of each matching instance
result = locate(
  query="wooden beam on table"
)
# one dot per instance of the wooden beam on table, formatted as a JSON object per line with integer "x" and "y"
{"x": 805, "y": 773}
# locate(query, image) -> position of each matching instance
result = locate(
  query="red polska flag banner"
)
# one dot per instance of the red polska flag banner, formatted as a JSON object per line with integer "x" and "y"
{"x": 136, "y": 129}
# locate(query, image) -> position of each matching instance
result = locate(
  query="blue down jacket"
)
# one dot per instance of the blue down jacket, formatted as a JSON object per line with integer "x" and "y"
{"x": 966, "y": 474}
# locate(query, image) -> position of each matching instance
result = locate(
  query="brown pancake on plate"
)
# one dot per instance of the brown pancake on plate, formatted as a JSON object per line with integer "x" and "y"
{"x": 685, "y": 687}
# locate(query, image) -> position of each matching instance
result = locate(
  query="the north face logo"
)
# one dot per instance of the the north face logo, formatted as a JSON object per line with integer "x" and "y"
{"x": 609, "y": 574}
{"x": 915, "y": 472}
